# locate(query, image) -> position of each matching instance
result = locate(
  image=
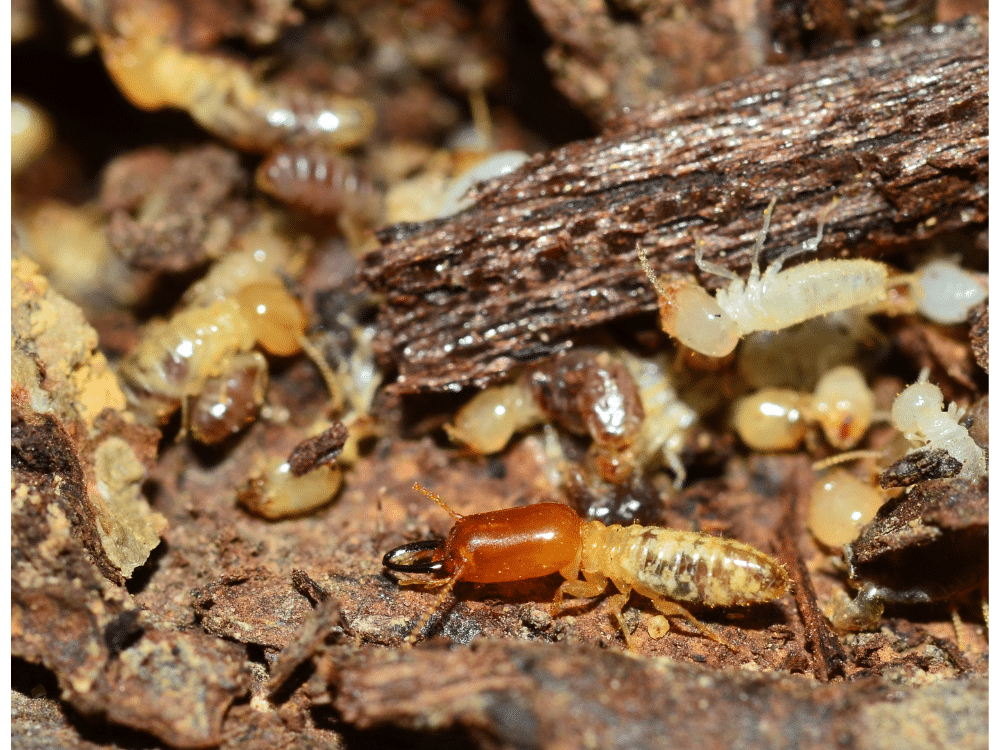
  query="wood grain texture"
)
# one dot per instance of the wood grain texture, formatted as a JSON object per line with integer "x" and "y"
{"x": 896, "y": 131}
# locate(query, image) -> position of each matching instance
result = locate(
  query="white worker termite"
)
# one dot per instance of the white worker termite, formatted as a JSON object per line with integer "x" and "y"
{"x": 768, "y": 301}
{"x": 918, "y": 412}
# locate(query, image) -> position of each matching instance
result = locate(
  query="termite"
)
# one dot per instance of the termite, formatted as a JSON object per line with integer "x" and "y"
{"x": 776, "y": 418}
{"x": 325, "y": 184}
{"x": 177, "y": 361}
{"x": 224, "y": 96}
{"x": 516, "y": 544}
{"x": 918, "y": 412}
{"x": 770, "y": 301}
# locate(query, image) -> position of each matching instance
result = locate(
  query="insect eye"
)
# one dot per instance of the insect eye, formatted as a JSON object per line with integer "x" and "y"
{"x": 415, "y": 557}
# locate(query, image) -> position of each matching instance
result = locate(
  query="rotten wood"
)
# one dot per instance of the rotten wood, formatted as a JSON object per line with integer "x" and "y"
{"x": 526, "y": 695}
{"x": 897, "y": 132}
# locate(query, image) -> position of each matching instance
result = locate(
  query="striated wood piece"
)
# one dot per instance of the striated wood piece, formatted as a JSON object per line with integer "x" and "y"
{"x": 508, "y": 694}
{"x": 897, "y": 132}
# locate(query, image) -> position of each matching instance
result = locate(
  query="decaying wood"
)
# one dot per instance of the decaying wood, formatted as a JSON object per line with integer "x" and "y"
{"x": 524, "y": 695}
{"x": 897, "y": 132}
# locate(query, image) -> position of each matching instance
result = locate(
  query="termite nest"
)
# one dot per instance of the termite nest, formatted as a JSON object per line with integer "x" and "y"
{"x": 786, "y": 359}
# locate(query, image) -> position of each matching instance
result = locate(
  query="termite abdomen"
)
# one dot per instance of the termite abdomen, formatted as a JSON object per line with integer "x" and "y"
{"x": 320, "y": 183}
{"x": 694, "y": 567}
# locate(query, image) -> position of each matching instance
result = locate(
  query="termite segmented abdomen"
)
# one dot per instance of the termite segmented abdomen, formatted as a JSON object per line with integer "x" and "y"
{"x": 810, "y": 290}
{"x": 692, "y": 567}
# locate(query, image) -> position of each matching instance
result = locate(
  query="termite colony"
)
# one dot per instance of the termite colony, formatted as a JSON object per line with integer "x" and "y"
{"x": 783, "y": 360}
{"x": 806, "y": 332}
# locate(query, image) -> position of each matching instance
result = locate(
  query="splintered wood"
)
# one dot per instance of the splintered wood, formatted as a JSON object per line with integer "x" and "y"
{"x": 897, "y": 132}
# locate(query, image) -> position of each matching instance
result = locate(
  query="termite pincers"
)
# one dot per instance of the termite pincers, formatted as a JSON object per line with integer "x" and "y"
{"x": 532, "y": 541}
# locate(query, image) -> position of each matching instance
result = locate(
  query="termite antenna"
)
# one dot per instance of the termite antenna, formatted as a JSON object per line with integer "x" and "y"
{"x": 843, "y": 458}
{"x": 436, "y": 498}
{"x": 411, "y": 639}
{"x": 644, "y": 262}
{"x": 823, "y": 216}
{"x": 329, "y": 377}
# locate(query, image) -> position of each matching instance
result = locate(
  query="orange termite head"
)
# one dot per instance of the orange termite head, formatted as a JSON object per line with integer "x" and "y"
{"x": 513, "y": 544}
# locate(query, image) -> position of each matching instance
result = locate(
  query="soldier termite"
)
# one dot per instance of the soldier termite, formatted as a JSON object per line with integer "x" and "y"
{"x": 516, "y": 544}
{"x": 768, "y": 301}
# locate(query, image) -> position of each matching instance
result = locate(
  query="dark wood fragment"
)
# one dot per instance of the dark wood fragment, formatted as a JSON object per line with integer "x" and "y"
{"x": 930, "y": 546}
{"x": 321, "y": 450}
{"x": 306, "y": 586}
{"x": 897, "y": 132}
{"x": 44, "y": 457}
{"x": 529, "y": 695}
{"x": 828, "y": 655}
{"x": 920, "y": 466}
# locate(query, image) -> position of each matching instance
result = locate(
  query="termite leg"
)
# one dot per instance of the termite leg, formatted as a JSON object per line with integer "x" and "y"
{"x": 713, "y": 268}
{"x": 593, "y": 586}
{"x": 615, "y": 603}
{"x": 808, "y": 246}
{"x": 449, "y": 584}
{"x": 336, "y": 393}
{"x": 671, "y": 609}
{"x": 842, "y": 458}
{"x": 185, "y": 419}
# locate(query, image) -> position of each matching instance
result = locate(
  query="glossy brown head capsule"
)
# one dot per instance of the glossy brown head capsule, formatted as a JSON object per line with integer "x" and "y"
{"x": 536, "y": 540}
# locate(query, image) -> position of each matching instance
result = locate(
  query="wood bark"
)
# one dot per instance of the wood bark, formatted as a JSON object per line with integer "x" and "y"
{"x": 896, "y": 131}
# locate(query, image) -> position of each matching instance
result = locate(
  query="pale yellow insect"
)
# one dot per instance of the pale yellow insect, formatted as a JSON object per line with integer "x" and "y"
{"x": 776, "y": 418}
{"x": 770, "y": 301}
